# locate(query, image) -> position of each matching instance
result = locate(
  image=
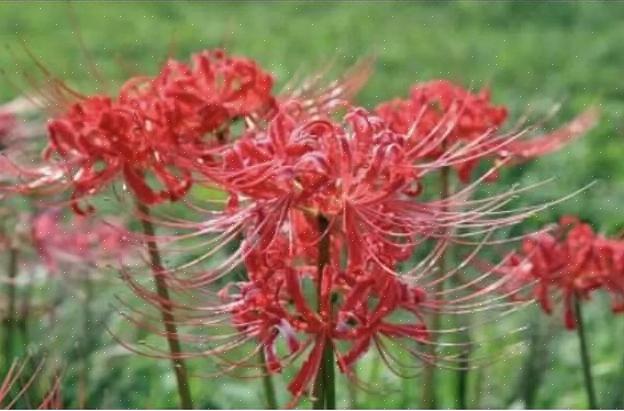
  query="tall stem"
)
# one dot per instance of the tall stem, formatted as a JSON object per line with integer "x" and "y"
{"x": 267, "y": 382}
{"x": 462, "y": 380}
{"x": 464, "y": 339}
{"x": 168, "y": 319}
{"x": 325, "y": 386}
{"x": 10, "y": 321}
{"x": 85, "y": 351}
{"x": 585, "y": 359}
{"x": 429, "y": 398}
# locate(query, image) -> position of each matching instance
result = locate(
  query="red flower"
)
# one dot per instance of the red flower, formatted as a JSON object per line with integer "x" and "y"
{"x": 358, "y": 175}
{"x": 156, "y": 132}
{"x": 440, "y": 116}
{"x": 573, "y": 262}
{"x": 359, "y": 308}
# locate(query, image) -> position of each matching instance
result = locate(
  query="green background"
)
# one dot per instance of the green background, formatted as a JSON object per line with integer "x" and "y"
{"x": 533, "y": 55}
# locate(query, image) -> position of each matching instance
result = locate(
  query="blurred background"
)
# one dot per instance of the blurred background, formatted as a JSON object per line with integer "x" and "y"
{"x": 533, "y": 56}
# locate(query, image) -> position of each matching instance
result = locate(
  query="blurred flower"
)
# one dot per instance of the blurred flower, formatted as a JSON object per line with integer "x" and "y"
{"x": 571, "y": 262}
{"x": 80, "y": 241}
{"x": 440, "y": 115}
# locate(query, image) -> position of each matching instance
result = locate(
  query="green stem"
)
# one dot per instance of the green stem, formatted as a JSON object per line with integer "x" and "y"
{"x": 429, "y": 398}
{"x": 465, "y": 343}
{"x": 325, "y": 386}
{"x": 10, "y": 320}
{"x": 585, "y": 358}
{"x": 267, "y": 382}
{"x": 83, "y": 386}
{"x": 462, "y": 380}
{"x": 168, "y": 319}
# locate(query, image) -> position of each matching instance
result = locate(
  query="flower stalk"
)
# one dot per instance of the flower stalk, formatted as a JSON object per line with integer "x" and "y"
{"x": 267, "y": 383}
{"x": 11, "y": 319}
{"x": 87, "y": 343}
{"x": 585, "y": 357}
{"x": 429, "y": 398}
{"x": 325, "y": 381}
{"x": 179, "y": 366}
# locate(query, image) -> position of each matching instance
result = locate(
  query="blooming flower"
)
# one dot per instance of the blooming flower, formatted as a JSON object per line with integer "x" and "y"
{"x": 360, "y": 178}
{"x": 154, "y": 133}
{"x": 572, "y": 262}
{"x": 445, "y": 115}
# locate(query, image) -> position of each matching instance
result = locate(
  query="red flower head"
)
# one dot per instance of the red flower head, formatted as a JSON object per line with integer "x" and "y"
{"x": 158, "y": 130}
{"x": 441, "y": 115}
{"x": 572, "y": 262}
{"x": 330, "y": 209}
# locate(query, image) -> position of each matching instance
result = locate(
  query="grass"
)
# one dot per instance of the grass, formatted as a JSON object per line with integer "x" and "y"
{"x": 532, "y": 55}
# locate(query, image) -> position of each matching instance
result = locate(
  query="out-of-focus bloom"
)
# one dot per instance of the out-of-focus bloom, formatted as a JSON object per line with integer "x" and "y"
{"x": 571, "y": 262}
{"x": 13, "y": 122}
{"x": 445, "y": 115}
{"x": 80, "y": 241}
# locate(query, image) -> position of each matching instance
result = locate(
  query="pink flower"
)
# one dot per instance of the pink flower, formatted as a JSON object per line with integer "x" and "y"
{"x": 80, "y": 241}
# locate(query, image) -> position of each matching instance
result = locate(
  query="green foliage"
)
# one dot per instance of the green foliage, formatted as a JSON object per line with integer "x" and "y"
{"x": 531, "y": 54}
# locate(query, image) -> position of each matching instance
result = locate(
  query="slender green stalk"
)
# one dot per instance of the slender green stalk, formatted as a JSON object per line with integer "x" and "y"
{"x": 10, "y": 320}
{"x": 462, "y": 379}
{"x": 463, "y": 360}
{"x": 585, "y": 358}
{"x": 267, "y": 382}
{"x": 85, "y": 351}
{"x": 530, "y": 380}
{"x": 428, "y": 397}
{"x": 179, "y": 366}
{"x": 325, "y": 385}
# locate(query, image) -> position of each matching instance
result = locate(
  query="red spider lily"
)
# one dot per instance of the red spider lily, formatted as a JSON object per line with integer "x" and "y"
{"x": 361, "y": 177}
{"x": 447, "y": 115}
{"x": 154, "y": 133}
{"x": 83, "y": 241}
{"x": 11, "y": 393}
{"x": 357, "y": 307}
{"x": 572, "y": 262}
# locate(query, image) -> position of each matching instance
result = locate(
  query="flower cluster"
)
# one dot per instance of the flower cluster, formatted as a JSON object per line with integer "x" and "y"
{"x": 160, "y": 127}
{"x": 324, "y": 190}
{"x": 571, "y": 262}
{"x": 332, "y": 209}
{"x": 325, "y": 210}
{"x": 442, "y": 115}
